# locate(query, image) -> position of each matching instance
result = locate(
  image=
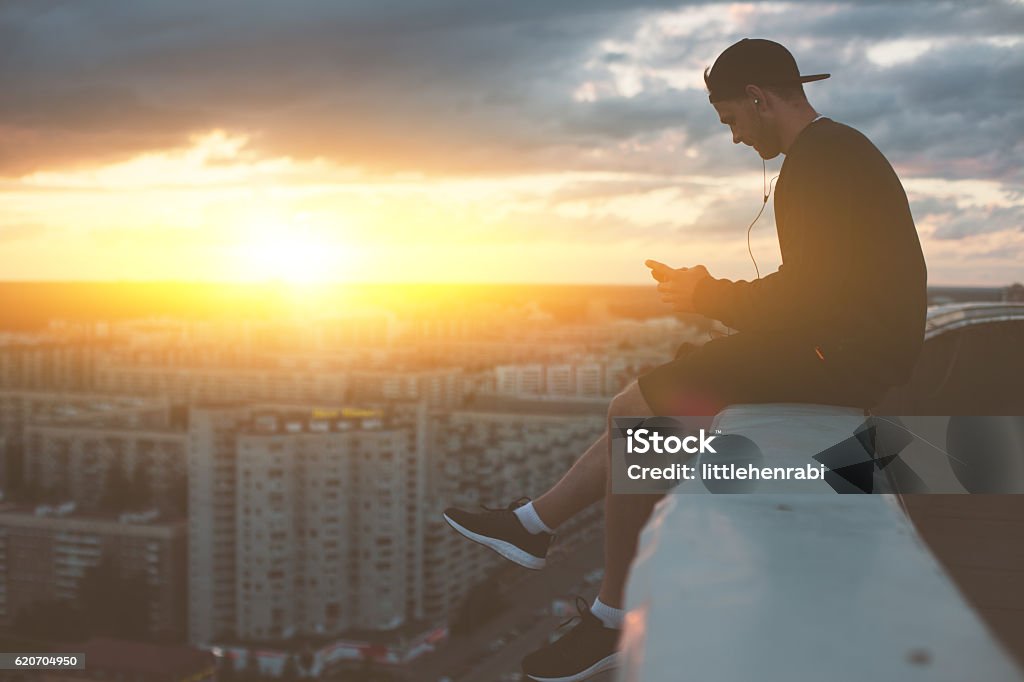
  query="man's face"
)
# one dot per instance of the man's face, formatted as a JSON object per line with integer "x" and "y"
{"x": 748, "y": 127}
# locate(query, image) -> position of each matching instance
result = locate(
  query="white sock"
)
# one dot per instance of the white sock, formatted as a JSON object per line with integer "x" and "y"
{"x": 611, "y": 617}
{"x": 533, "y": 524}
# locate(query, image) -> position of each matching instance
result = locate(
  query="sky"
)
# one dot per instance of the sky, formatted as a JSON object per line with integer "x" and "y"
{"x": 475, "y": 141}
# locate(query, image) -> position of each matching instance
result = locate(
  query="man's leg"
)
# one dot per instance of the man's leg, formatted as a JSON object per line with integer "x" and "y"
{"x": 525, "y": 538}
{"x": 592, "y": 645}
{"x": 580, "y": 487}
{"x": 624, "y": 515}
{"x": 523, "y": 533}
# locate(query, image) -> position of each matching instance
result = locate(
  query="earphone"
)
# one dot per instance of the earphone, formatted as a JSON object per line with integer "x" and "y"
{"x": 766, "y": 187}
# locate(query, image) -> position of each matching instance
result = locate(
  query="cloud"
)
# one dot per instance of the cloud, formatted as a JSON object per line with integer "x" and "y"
{"x": 949, "y": 113}
{"x": 946, "y": 108}
{"x": 954, "y": 222}
{"x": 502, "y": 89}
{"x": 398, "y": 85}
{"x": 454, "y": 86}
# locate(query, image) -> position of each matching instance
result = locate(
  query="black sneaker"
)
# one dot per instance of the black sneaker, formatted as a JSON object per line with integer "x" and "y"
{"x": 584, "y": 651}
{"x": 500, "y": 530}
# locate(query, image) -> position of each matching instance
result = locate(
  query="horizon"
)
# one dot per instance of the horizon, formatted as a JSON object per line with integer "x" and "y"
{"x": 287, "y": 284}
{"x": 42, "y": 303}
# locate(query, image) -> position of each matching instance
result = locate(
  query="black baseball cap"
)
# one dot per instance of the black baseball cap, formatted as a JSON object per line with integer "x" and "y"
{"x": 753, "y": 61}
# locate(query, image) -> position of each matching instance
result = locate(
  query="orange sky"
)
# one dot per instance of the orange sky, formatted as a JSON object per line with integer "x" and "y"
{"x": 468, "y": 177}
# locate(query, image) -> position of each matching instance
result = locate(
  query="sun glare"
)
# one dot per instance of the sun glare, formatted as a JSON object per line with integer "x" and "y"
{"x": 289, "y": 253}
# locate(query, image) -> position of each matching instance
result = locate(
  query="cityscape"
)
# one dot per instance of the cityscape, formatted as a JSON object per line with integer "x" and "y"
{"x": 267, "y": 490}
{"x": 232, "y": 497}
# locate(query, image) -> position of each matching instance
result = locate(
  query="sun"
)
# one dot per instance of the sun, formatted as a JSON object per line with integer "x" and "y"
{"x": 289, "y": 253}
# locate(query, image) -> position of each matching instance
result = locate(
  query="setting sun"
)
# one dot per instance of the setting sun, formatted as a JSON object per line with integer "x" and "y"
{"x": 290, "y": 253}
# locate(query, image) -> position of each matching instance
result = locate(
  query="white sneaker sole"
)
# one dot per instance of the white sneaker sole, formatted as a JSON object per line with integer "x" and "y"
{"x": 607, "y": 663}
{"x": 505, "y": 549}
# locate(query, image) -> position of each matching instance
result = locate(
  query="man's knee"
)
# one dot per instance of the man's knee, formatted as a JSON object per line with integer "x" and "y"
{"x": 629, "y": 403}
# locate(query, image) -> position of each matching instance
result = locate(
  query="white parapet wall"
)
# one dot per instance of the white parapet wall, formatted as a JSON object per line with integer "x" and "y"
{"x": 795, "y": 586}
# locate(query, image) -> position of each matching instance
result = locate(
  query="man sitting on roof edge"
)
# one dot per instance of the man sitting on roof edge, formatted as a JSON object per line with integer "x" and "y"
{"x": 839, "y": 323}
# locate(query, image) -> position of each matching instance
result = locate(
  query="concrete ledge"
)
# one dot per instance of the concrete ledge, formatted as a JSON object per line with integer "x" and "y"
{"x": 796, "y": 587}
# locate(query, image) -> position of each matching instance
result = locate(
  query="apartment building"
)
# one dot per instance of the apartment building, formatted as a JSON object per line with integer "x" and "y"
{"x": 209, "y": 383}
{"x": 35, "y": 361}
{"x": 436, "y": 387}
{"x": 22, "y": 408}
{"x": 46, "y": 551}
{"x": 304, "y": 521}
{"x": 78, "y": 462}
{"x": 489, "y": 457}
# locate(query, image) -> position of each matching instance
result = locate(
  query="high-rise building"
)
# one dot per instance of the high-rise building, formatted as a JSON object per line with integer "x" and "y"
{"x": 41, "y": 363}
{"x": 304, "y": 521}
{"x": 45, "y": 553}
{"x": 436, "y": 387}
{"x": 321, "y": 509}
{"x": 489, "y": 457}
{"x": 581, "y": 378}
{"x": 20, "y": 409}
{"x": 81, "y": 462}
{"x": 211, "y": 526}
{"x": 204, "y": 383}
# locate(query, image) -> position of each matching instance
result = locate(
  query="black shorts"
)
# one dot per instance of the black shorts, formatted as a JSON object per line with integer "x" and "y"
{"x": 752, "y": 368}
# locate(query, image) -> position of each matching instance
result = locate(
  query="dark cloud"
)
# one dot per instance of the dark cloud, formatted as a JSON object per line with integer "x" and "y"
{"x": 420, "y": 86}
{"x": 954, "y": 221}
{"x": 953, "y": 112}
{"x": 619, "y": 118}
{"x": 981, "y": 220}
{"x": 870, "y": 22}
{"x": 466, "y": 86}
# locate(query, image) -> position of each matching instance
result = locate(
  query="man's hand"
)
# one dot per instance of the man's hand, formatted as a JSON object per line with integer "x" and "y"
{"x": 677, "y": 286}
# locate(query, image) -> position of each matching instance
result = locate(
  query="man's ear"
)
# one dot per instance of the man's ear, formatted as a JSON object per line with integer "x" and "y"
{"x": 756, "y": 97}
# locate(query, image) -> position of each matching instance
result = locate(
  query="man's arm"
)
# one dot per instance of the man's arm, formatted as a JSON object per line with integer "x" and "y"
{"x": 676, "y": 285}
{"x": 744, "y": 305}
{"x": 740, "y": 305}
{"x": 828, "y": 250}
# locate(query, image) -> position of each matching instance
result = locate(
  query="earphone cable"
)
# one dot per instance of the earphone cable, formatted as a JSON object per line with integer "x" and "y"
{"x": 766, "y": 189}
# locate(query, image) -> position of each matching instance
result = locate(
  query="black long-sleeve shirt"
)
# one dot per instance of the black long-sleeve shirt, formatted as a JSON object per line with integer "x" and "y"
{"x": 852, "y": 281}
